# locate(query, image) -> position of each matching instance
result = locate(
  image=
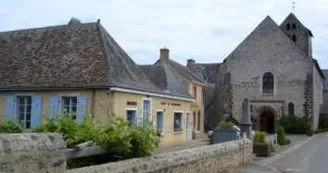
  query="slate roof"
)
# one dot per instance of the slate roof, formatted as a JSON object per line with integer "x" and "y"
{"x": 77, "y": 55}
{"x": 172, "y": 77}
{"x": 325, "y": 73}
{"x": 207, "y": 71}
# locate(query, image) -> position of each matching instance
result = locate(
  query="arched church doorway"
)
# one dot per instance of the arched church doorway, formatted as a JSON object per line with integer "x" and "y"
{"x": 267, "y": 122}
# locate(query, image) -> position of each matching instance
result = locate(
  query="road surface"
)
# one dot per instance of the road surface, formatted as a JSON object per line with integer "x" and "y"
{"x": 310, "y": 157}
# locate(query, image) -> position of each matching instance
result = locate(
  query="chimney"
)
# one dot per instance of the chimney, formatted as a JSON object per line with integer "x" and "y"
{"x": 190, "y": 62}
{"x": 164, "y": 54}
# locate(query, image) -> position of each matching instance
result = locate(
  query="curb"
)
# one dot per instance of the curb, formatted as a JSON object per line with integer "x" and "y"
{"x": 265, "y": 162}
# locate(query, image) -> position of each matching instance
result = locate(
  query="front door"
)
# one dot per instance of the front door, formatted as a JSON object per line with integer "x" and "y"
{"x": 267, "y": 122}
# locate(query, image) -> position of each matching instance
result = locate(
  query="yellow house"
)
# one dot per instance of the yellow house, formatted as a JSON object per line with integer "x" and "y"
{"x": 80, "y": 69}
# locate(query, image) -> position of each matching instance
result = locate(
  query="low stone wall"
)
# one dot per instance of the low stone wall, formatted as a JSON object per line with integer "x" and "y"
{"x": 32, "y": 153}
{"x": 46, "y": 153}
{"x": 217, "y": 158}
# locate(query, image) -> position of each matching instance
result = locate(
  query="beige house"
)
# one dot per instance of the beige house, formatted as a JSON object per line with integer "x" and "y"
{"x": 80, "y": 69}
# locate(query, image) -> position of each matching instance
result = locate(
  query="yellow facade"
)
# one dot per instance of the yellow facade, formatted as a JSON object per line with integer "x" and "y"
{"x": 197, "y": 90}
{"x": 101, "y": 104}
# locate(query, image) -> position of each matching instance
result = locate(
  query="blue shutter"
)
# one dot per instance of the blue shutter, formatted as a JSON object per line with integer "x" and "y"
{"x": 54, "y": 106}
{"x": 159, "y": 121}
{"x": 81, "y": 108}
{"x": 11, "y": 107}
{"x": 36, "y": 111}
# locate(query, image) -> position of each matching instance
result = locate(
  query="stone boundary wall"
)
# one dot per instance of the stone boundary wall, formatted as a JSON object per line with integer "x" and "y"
{"x": 32, "y": 153}
{"x": 218, "y": 158}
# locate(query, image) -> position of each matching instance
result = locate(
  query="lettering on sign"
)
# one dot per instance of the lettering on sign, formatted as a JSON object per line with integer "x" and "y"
{"x": 130, "y": 103}
{"x": 172, "y": 104}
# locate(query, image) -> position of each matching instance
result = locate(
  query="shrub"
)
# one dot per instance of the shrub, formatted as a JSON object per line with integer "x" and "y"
{"x": 225, "y": 125}
{"x": 121, "y": 140}
{"x": 295, "y": 125}
{"x": 10, "y": 127}
{"x": 231, "y": 119}
{"x": 281, "y": 136}
{"x": 260, "y": 137}
{"x": 321, "y": 130}
{"x": 323, "y": 122}
{"x": 271, "y": 148}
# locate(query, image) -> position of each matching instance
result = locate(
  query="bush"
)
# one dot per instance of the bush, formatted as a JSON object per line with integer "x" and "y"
{"x": 295, "y": 125}
{"x": 271, "y": 148}
{"x": 225, "y": 125}
{"x": 281, "y": 136}
{"x": 323, "y": 122}
{"x": 120, "y": 140}
{"x": 321, "y": 130}
{"x": 260, "y": 137}
{"x": 10, "y": 127}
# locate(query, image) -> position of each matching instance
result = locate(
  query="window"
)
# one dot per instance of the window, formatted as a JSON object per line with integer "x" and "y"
{"x": 294, "y": 37}
{"x": 159, "y": 121}
{"x": 268, "y": 83}
{"x": 198, "y": 121}
{"x": 195, "y": 91}
{"x": 24, "y": 105}
{"x": 131, "y": 117}
{"x": 69, "y": 105}
{"x": 291, "y": 109}
{"x": 146, "y": 111}
{"x": 194, "y": 119}
{"x": 227, "y": 78}
{"x": 177, "y": 121}
{"x": 294, "y": 26}
{"x": 288, "y": 26}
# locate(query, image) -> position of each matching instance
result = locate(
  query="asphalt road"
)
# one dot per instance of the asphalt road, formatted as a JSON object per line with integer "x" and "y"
{"x": 311, "y": 157}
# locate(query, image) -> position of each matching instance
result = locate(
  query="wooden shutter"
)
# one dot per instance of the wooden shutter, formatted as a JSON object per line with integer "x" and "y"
{"x": 81, "y": 108}
{"x": 11, "y": 108}
{"x": 54, "y": 106}
{"x": 36, "y": 111}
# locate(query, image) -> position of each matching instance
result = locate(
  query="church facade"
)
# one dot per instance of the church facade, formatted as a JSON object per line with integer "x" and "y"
{"x": 274, "y": 68}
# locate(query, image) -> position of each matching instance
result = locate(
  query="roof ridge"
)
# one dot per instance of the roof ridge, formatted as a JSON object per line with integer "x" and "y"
{"x": 44, "y": 28}
{"x": 188, "y": 70}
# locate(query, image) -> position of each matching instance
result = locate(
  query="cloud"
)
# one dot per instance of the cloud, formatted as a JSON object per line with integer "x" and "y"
{"x": 206, "y": 30}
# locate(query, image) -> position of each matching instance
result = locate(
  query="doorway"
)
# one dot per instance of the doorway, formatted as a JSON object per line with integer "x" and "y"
{"x": 267, "y": 122}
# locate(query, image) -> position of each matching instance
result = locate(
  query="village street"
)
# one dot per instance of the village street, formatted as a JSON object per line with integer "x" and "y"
{"x": 310, "y": 156}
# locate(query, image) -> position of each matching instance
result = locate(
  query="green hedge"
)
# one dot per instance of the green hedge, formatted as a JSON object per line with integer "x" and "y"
{"x": 295, "y": 125}
{"x": 323, "y": 121}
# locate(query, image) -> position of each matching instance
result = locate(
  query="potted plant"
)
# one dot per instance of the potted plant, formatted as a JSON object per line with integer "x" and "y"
{"x": 261, "y": 148}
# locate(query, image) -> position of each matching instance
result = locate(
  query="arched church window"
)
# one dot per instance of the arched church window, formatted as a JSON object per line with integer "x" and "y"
{"x": 268, "y": 83}
{"x": 227, "y": 77}
{"x": 291, "y": 109}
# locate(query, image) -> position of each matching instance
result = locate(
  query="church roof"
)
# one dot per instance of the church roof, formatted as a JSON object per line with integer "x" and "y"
{"x": 207, "y": 71}
{"x": 68, "y": 56}
{"x": 292, "y": 16}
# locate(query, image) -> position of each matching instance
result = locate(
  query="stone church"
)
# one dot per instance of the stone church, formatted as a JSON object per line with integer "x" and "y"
{"x": 274, "y": 68}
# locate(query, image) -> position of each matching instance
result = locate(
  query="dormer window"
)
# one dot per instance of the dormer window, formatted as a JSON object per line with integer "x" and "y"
{"x": 293, "y": 26}
{"x": 294, "y": 38}
{"x": 288, "y": 26}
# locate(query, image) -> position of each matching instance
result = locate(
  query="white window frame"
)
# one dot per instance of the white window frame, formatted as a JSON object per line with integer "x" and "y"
{"x": 150, "y": 108}
{"x": 25, "y": 110}
{"x": 132, "y": 109}
{"x": 160, "y": 110}
{"x": 182, "y": 126}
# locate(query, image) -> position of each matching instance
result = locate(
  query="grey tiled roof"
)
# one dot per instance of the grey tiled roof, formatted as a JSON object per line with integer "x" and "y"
{"x": 207, "y": 71}
{"x": 171, "y": 76}
{"x": 325, "y": 73}
{"x": 68, "y": 56}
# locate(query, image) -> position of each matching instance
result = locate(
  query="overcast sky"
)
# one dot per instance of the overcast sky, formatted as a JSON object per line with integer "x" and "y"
{"x": 205, "y": 30}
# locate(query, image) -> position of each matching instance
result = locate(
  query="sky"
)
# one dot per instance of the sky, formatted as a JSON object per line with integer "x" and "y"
{"x": 203, "y": 30}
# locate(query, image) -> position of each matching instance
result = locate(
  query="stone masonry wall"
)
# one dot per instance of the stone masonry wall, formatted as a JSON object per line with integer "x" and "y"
{"x": 217, "y": 158}
{"x": 32, "y": 153}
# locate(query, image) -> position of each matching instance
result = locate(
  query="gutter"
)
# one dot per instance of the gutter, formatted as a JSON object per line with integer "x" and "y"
{"x": 151, "y": 94}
